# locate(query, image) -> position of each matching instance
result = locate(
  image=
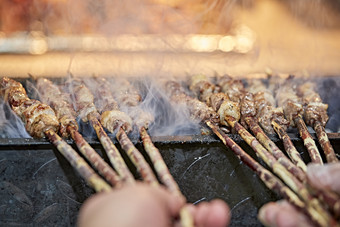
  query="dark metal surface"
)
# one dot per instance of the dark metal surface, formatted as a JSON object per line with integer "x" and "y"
{"x": 39, "y": 188}
{"x": 6, "y": 143}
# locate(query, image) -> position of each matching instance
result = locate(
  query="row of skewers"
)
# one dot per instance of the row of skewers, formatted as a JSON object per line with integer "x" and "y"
{"x": 223, "y": 104}
{"x": 227, "y": 102}
{"x": 56, "y": 116}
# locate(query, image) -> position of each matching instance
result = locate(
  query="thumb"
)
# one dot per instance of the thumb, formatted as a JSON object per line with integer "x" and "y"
{"x": 324, "y": 176}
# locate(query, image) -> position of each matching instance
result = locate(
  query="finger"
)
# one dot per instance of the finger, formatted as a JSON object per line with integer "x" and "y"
{"x": 90, "y": 205}
{"x": 219, "y": 214}
{"x": 201, "y": 213}
{"x": 324, "y": 176}
{"x": 172, "y": 202}
{"x": 282, "y": 214}
{"x": 211, "y": 214}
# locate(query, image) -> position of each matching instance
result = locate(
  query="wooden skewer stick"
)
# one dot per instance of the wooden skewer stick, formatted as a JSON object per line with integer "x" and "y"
{"x": 271, "y": 119}
{"x": 112, "y": 118}
{"x": 325, "y": 143}
{"x": 131, "y": 98}
{"x": 289, "y": 146}
{"x": 308, "y": 140}
{"x": 276, "y": 165}
{"x": 53, "y": 96}
{"x": 112, "y": 152}
{"x": 287, "y": 98}
{"x": 94, "y": 158}
{"x": 165, "y": 175}
{"x": 158, "y": 163}
{"x": 96, "y": 182}
{"x": 248, "y": 111}
{"x": 270, "y": 180}
{"x": 40, "y": 120}
{"x": 137, "y": 158}
{"x": 315, "y": 115}
{"x": 271, "y": 147}
{"x": 88, "y": 112}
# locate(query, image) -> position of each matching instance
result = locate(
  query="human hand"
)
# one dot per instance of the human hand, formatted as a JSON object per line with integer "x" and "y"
{"x": 144, "y": 205}
{"x": 283, "y": 214}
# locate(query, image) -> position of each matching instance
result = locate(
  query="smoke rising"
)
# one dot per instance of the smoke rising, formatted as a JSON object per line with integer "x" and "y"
{"x": 170, "y": 119}
{"x": 11, "y": 125}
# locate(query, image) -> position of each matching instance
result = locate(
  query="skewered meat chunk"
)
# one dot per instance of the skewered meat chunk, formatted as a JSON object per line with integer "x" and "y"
{"x": 219, "y": 102}
{"x": 201, "y": 87}
{"x": 36, "y": 116}
{"x": 129, "y": 98}
{"x": 248, "y": 105}
{"x": 125, "y": 94}
{"x": 51, "y": 95}
{"x": 265, "y": 107}
{"x": 315, "y": 110}
{"x": 111, "y": 117}
{"x": 316, "y": 116}
{"x": 198, "y": 110}
{"x": 289, "y": 101}
{"x": 40, "y": 120}
{"x": 278, "y": 164}
{"x": 233, "y": 88}
{"x": 84, "y": 104}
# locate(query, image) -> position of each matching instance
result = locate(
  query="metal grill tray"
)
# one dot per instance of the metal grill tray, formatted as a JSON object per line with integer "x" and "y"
{"x": 39, "y": 188}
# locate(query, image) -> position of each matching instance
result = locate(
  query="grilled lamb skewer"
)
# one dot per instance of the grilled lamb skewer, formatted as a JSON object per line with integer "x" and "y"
{"x": 129, "y": 97}
{"x": 267, "y": 115}
{"x": 331, "y": 199}
{"x": 248, "y": 113}
{"x": 293, "y": 110}
{"x": 177, "y": 95}
{"x": 276, "y": 160}
{"x": 88, "y": 112}
{"x": 120, "y": 121}
{"x": 315, "y": 115}
{"x": 52, "y": 95}
{"x": 40, "y": 120}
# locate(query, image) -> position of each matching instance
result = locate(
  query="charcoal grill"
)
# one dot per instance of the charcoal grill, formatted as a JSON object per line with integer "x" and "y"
{"x": 39, "y": 187}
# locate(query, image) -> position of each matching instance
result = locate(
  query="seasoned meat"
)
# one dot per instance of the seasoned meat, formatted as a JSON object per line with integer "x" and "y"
{"x": 36, "y": 116}
{"x": 84, "y": 100}
{"x": 233, "y": 88}
{"x": 52, "y": 96}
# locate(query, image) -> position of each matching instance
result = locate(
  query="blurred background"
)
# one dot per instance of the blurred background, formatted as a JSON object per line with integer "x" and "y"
{"x": 146, "y": 37}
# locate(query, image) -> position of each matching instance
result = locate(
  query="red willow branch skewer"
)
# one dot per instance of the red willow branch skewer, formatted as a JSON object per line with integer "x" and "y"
{"x": 266, "y": 113}
{"x": 280, "y": 166}
{"x": 130, "y": 98}
{"x": 178, "y": 96}
{"x": 52, "y": 96}
{"x": 88, "y": 112}
{"x": 272, "y": 182}
{"x": 274, "y": 83}
{"x": 113, "y": 119}
{"x": 330, "y": 198}
{"x": 293, "y": 110}
{"x": 315, "y": 115}
{"x": 40, "y": 120}
{"x": 276, "y": 157}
